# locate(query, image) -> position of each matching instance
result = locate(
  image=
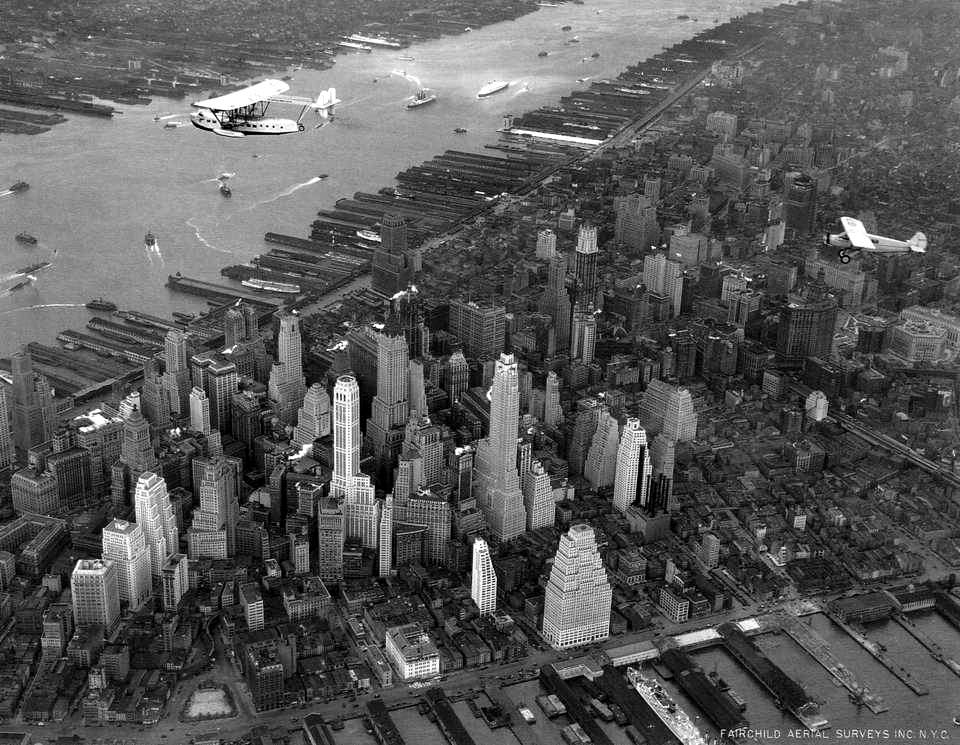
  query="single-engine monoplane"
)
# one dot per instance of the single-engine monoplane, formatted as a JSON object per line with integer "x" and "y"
{"x": 856, "y": 238}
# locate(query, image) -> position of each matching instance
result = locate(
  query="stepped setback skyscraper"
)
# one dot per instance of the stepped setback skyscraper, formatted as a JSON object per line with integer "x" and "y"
{"x": 634, "y": 468}
{"x": 287, "y": 384}
{"x": 498, "y": 480}
{"x": 483, "y": 580}
{"x": 155, "y": 515}
{"x": 576, "y": 604}
{"x": 124, "y": 544}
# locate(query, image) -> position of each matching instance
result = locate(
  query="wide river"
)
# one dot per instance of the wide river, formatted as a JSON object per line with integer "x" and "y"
{"x": 98, "y": 185}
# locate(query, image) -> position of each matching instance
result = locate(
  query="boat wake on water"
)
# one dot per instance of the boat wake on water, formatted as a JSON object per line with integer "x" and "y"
{"x": 154, "y": 251}
{"x": 196, "y": 231}
{"x": 285, "y": 193}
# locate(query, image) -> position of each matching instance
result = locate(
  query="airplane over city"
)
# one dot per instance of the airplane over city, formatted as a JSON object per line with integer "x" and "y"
{"x": 244, "y": 112}
{"x": 856, "y": 238}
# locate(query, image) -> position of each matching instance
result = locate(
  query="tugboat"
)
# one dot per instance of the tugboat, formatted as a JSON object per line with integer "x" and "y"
{"x": 460, "y": 131}
{"x": 543, "y": 53}
{"x": 150, "y": 240}
{"x": 26, "y": 239}
{"x": 20, "y": 186}
{"x": 595, "y": 55}
{"x": 566, "y": 28}
{"x": 101, "y": 304}
{"x": 225, "y": 190}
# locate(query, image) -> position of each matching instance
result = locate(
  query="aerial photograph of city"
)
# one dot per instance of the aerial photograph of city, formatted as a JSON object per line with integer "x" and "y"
{"x": 379, "y": 372}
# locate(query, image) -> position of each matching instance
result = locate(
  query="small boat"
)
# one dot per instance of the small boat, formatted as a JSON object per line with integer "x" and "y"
{"x": 156, "y": 117}
{"x": 101, "y": 304}
{"x": 20, "y": 186}
{"x": 595, "y": 55}
{"x": 683, "y": 17}
{"x": 407, "y": 59}
{"x": 26, "y": 239}
{"x": 460, "y": 131}
{"x": 225, "y": 190}
{"x": 150, "y": 240}
{"x": 173, "y": 125}
{"x": 422, "y": 97}
{"x": 494, "y": 86}
{"x": 956, "y": 721}
{"x": 31, "y": 268}
{"x": 566, "y": 28}
{"x": 21, "y": 284}
{"x": 544, "y": 53}
{"x": 322, "y": 176}
{"x": 575, "y": 40}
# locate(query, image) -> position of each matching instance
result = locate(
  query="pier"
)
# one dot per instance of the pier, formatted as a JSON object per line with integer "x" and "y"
{"x": 820, "y": 651}
{"x": 874, "y": 649}
{"x": 931, "y": 646}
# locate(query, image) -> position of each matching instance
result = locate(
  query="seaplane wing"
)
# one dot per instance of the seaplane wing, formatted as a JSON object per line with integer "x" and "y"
{"x": 246, "y": 97}
{"x": 856, "y": 233}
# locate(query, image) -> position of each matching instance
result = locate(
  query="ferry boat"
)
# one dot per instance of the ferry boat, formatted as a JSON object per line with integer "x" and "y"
{"x": 355, "y": 46}
{"x": 265, "y": 285}
{"x": 26, "y": 239}
{"x": 657, "y": 698}
{"x": 101, "y": 304}
{"x": 422, "y": 97}
{"x": 494, "y": 86}
{"x": 368, "y": 235}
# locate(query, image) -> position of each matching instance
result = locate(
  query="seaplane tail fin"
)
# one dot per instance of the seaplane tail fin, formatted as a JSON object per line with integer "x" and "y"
{"x": 918, "y": 243}
{"x": 326, "y": 101}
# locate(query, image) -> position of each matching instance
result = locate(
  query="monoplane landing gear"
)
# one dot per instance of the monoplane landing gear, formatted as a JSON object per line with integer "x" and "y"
{"x": 844, "y": 259}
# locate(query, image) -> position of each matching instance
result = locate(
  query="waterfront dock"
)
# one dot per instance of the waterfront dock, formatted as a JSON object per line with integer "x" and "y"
{"x": 820, "y": 651}
{"x": 931, "y": 646}
{"x": 874, "y": 649}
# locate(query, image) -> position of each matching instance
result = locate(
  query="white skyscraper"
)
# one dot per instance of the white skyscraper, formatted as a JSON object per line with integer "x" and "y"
{"x": 817, "y": 406}
{"x": 313, "y": 421}
{"x": 576, "y": 604}
{"x": 458, "y": 376}
{"x": 664, "y": 277}
{"x": 385, "y": 549}
{"x": 95, "y": 592}
{"x": 346, "y": 433}
{"x": 583, "y": 333}
{"x": 199, "y": 411}
{"x": 667, "y": 409}
{"x": 124, "y": 544}
{"x": 546, "y": 244}
{"x": 483, "y": 580}
{"x": 600, "y": 468}
{"x": 155, "y": 515}
{"x": 6, "y": 433}
{"x": 632, "y": 482}
{"x": 498, "y": 480}
{"x": 361, "y": 512}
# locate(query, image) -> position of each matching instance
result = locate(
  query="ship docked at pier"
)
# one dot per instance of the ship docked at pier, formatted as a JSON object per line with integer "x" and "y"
{"x": 673, "y": 717}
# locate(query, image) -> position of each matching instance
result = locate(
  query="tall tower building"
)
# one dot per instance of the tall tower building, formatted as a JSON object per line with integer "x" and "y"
{"x": 95, "y": 591}
{"x": 392, "y": 269}
{"x": 458, "y": 375}
{"x": 663, "y": 457}
{"x": 234, "y": 327}
{"x": 499, "y": 487}
{"x": 667, "y": 409}
{"x": 576, "y": 604}
{"x": 583, "y": 333}
{"x": 174, "y": 581}
{"x": 361, "y": 513}
{"x": 634, "y": 468}
{"x": 538, "y": 498}
{"x": 6, "y": 435}
{"x": 552, "y": 414}
{"x": 136, "y": 457}
{"x": 555, "y": 301}
{"x": 807, "y": 325}
{"x": 155, "y": 515}
{"x": 176, "y": 376}
{"x": 483, "y": 580}
{"x": 214, "y": 530}
{"x": 34, "y": 415}
{"x": 546, "y": 244}
{"x": 800, "y": 204}
{"x": 313, "y": 421}
{"x": 601, "y": 466}
{"x": 346, "y": 433}
{"x": 124, "y": 544}
{"x": 199, "y": 411}
{"x": 287, "y": 384}
{"x": 586, "y": 269}
{"x": 391, "y": 406}
{"x": 385, "y": 548}
{"x": 665, "y": 278}
{"x": 330, "y": 540}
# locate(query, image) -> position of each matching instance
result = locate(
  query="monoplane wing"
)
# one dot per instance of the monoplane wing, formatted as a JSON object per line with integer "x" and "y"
{"x": 245, "y": 97}
{"x": 856, "y": 233}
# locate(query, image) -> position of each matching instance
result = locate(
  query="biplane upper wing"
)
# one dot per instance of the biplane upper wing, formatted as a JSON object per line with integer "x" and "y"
{"x": 245, "y": 97}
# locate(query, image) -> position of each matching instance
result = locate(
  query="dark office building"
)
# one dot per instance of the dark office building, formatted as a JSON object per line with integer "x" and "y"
{"x": 807, "y": 325}
{"x": 391, "y": 267}
{"x": 265, "y": 675}
{"x": 800, "y": 205}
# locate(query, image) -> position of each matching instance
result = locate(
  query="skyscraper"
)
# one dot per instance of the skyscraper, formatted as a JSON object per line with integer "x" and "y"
{"x": 346, "y": 433}
{"x": 481, "y": 331}
{"x": 667, "y": 409}
{"x": 287, "y": 385}
{"x": 807, "y": 324}
{"x": 124, "y": 544}
{"x": 136, "y": 457}
{"x": 665, "y": 278}
{"x": 176, "y": 375}
{"x": 601, "y": 466}
{"x": 576, "y": 604}
{"x": 583, "y": 333}
{"x": 34, "y": 415}
{"x": 199, "y": 411}
{"x": 552, "y": 414}
{"x": 95, "y": 591}
{"x": 391, "y": 270}
{"x": 800, "y": 204}
{"x": 483, "y": 580}
{"x": 313, "y": 421}
{"x": 385, "y": 548}
{"x": 498, "y": 480}
{"x": 663, "y": 458}
{"x": 586, "y": 269}
{"x": 330, "y": 540}
{"x": 391, "y": 406}
{"x": 6, "y": 436}
{"x": 174, "y": 581}
{"x": 546, "y": 244}
{"x": 555, "y": 301}
{"x": 634, "y": 467}
{"x": 214, "y": 530}
{"x": 538, "y": 497}
{"x": 234, "y": 327}
{"x": 458, "y": 375}
{"x": 155, "y": 515}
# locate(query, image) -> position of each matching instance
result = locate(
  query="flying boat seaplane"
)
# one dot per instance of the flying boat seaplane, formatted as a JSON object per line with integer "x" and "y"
{"x": 244, "y": 112}
{"x": 856, "y": 238}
